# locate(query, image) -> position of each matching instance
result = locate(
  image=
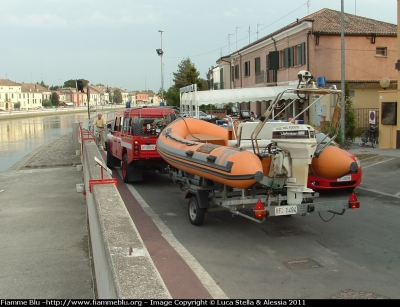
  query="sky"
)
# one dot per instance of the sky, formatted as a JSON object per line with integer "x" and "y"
{"x": 114, "y": 42}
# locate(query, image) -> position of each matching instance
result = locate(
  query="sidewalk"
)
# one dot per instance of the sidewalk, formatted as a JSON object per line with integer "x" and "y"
{"x": 43, "y": 228}
{"x": 368, "y": 150}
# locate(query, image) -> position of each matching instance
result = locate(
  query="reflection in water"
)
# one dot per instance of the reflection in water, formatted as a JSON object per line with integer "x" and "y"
{"x": 19, "y": 137}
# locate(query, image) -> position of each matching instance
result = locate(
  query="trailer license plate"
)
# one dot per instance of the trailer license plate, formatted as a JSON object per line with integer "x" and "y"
{"x": 285, "y": 210}
{"x": 148, "y": 147}
{"x": 345, "y": 178}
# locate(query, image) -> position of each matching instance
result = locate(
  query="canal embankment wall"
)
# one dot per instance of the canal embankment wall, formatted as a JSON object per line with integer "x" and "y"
{"x": 122, "y": 265}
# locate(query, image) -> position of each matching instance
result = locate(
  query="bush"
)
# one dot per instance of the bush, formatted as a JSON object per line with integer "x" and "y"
{"x": 331, "y": 132}
{"x": 351, "y": 130}
{"x": 46, "y": 103}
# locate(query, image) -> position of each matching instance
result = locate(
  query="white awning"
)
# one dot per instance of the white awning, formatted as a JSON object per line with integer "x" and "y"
{"x": 237, "y": 95}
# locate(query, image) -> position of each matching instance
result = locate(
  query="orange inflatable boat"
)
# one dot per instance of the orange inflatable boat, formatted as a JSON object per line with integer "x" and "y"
{"x": 199, "y": 147}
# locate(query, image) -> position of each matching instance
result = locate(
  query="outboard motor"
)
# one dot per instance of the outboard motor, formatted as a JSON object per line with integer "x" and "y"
{"x": 300, "y": 143}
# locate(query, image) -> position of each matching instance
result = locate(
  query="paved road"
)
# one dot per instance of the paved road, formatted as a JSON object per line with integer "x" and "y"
{"x": 246, "y": 260}
{"x": 43, "y": 233}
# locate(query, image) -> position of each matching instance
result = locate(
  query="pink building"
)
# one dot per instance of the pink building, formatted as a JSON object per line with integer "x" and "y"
{"x": 313, "y": 43}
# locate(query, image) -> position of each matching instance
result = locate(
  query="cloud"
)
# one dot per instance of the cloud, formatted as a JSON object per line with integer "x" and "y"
{"x": 231, "y": 13}
{"x": 67, "y": 16}
{"x": 35, "y": 21}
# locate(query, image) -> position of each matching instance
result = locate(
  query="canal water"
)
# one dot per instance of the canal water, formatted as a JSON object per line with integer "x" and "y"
{"x": 20, "y": 137}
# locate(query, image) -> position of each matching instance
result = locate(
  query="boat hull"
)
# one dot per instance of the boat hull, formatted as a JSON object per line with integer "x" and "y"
{"x": 226, "y": 165}
{"x": 333, "y": 162}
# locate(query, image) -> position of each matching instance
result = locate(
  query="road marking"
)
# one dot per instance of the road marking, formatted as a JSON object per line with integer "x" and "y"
{"x": 377, "y": 163}
{"x": 397, "y": 195}
{"x": 205, "y": 278}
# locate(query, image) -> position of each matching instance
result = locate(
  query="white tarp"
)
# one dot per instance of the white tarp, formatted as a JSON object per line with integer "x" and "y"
{"x": 235, "y": 95}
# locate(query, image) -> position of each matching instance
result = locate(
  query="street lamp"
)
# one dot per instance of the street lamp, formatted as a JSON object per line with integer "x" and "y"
{"x": 160, "y": 52}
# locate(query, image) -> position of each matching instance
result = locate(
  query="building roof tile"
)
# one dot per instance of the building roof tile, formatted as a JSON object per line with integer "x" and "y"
{"x": 32, "y": 87}
{"x": 7, "y": 82}
{"x": 328, "y": 21}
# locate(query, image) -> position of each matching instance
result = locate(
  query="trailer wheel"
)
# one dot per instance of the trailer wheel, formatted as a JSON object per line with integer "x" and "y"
{"x": 196, "y": 214}
{"x": 111, "y": 160}
{"x": 124, "y": 168}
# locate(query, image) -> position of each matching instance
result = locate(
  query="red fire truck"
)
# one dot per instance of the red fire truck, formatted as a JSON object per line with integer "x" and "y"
{"x": 131, "y": 141}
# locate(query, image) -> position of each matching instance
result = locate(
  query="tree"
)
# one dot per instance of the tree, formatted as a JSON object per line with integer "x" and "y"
{"x": 110, "y": 96}
{"x": 55, "y": 99}
{"x": 117, "y": 98}
{"x": 46, "y": 103}
{"x": 350, "y": 125}
{"x": 172, "y": 96}
{"x": 187, "y": 74}
{"x": 72, "y": 83}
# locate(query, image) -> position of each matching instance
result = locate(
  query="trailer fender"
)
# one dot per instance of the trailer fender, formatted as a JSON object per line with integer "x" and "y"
{"x": 202, "y": 198}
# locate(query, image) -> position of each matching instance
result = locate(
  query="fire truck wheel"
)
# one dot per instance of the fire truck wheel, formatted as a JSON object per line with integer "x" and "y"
{"x": 111, "y": 160}
{"x": 124, "y": 168}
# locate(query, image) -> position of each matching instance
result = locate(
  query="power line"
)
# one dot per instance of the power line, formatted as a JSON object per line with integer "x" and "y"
{"x": 217, "y": 49}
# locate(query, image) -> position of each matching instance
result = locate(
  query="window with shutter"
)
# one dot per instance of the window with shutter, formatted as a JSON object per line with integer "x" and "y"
{"x": 303, "y": 53}
{"x": 271, "y": 74}
{"x": 247, "y": 68}
{"x": 291, "y": 57}
{"x": 285, "y": 60}
{"x": 257, "y": 62}
{"x": 273, "y": 60}
{"x": 221, "y": 78}
{"x": 381, "y": 51}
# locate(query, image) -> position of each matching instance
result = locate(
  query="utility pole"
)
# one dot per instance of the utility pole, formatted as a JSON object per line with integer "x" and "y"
{"x": 342, "y": 122}
{"x": 160, "y": 52}
{"x": 236, "y": 36}
{"x": 229, "y": 43}
{"x": 259, "y": 24}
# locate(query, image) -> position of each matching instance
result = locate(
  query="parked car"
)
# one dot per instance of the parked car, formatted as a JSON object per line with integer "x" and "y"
{"x": 347, "y": 182}
{"x": 202, "y": 115}
{"x": 222, "y": 122}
